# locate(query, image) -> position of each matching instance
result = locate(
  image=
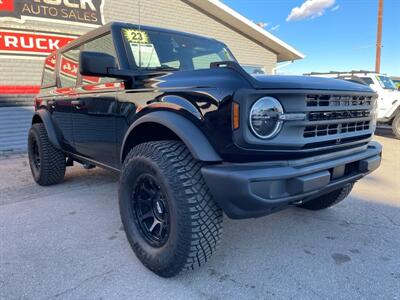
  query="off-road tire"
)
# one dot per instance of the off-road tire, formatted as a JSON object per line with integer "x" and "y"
{"x": 396, "y": 126}
{"x": 52, "y": 161}
{"x": 329, "y": 199}
{"x": 195, "y": 219}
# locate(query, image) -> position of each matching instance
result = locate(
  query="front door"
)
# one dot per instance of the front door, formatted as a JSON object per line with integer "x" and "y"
{"x": 94, "y": 111}
{"x": 93, "y": 116}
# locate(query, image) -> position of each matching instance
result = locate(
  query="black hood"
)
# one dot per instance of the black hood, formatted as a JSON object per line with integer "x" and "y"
{"x": 237, "y": 78}
{"x": 307, "y": 83}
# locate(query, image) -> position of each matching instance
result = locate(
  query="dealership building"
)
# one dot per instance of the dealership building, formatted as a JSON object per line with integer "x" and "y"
{"x": 30, "y": 29}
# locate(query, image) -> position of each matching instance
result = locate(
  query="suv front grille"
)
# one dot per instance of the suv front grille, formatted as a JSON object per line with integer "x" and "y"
{"x": 337, "y": 115}
{"x": 337, "y": 100}
{"x": 337, "y": 118}
{"x": 331, "y": 129}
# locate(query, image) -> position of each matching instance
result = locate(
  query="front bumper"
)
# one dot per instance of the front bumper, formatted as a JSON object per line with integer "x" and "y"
{"x": 251, "y": 190}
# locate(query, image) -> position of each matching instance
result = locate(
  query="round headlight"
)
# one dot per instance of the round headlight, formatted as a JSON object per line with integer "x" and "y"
{"x": 265, "y": 119}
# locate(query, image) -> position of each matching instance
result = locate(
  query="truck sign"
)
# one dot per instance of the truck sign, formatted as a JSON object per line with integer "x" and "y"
{"x": 29, "y": 43}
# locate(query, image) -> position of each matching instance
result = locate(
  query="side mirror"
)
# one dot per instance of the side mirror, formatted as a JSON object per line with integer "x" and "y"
{"x": 96, "y": 64}
{"x": 102, "y": 65}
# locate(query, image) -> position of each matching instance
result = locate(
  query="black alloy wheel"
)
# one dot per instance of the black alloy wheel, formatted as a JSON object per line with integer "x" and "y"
{"x": 151, "y": 209}
{"x": 35, "y": 155}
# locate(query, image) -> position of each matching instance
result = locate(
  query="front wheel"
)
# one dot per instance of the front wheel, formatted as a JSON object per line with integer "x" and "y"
{"x": 169, "y": 216}
{"x": 396, "y": 126}
{"x": 329, "y": 199}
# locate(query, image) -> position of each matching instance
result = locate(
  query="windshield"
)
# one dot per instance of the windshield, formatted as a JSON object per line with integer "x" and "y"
{"x": 396, "y": 83}
{"x": 386, "y": 82}
{"x": 153, "y": 50}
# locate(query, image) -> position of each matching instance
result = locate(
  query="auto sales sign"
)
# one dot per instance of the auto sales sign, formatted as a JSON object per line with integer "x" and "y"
{"x": 29, "y": 43}
{"x": 88, "y": 12}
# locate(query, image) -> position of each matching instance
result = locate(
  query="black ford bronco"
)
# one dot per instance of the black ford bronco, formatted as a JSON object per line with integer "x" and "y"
{"x": 193, "y": 135}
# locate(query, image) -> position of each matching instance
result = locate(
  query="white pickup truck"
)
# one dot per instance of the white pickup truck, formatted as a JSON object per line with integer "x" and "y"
{"x": 389, "y": 96}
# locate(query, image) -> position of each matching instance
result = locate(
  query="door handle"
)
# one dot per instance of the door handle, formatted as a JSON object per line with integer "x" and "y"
{"x": 51, "y": 103}
{"x": 77, "y": 103}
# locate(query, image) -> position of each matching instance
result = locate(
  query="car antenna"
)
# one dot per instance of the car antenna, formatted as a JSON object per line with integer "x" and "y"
{"x": 140, "y": 51}
{"x": 139, "y": 13}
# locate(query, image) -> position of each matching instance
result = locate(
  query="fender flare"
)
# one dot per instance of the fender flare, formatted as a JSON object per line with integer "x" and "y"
{"x": 45, "y": 116}
{"x": 197, "y": 143}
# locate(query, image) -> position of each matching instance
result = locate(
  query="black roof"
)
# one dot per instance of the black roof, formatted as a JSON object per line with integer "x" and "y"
{"x": 118, "y": 25}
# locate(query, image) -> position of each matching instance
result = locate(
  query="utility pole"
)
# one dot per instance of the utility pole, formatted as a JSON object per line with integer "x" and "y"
{"x": 379, "y": 38}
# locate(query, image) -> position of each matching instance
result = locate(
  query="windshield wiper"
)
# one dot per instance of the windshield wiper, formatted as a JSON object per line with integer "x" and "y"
{"x": 161, "y": 68}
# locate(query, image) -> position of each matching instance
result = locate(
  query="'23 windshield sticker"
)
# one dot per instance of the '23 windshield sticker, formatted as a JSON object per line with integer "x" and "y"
{"x": 136, "y": 36}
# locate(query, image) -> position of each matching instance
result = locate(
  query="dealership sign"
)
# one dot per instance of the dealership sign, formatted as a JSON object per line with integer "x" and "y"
{"x": 88, "y": 12}
{"x": 29, "y": 43}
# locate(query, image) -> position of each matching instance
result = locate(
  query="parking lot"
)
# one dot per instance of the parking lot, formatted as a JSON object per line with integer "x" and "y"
{"x": 66, "y": 242}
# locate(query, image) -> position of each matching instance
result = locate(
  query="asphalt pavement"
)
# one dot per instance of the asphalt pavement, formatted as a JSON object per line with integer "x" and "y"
{"x": 67, "y": 242}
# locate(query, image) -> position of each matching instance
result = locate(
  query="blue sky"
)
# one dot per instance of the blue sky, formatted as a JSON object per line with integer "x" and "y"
{"x": 342, "y": 38}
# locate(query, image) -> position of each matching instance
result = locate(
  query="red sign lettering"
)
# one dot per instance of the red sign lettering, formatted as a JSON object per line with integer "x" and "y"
{"x": 31, "y": 43}
{"x": 6, "y": 5}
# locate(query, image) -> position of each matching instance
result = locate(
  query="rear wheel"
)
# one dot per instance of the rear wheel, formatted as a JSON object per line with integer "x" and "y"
{"x": 46, "y": 162}
{"x": 169, "y": 216}
{"x": 396, "y": 126}
{"x": 329, "y": 199}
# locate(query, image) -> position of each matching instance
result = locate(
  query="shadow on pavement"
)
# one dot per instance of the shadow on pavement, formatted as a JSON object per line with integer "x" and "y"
{"x": 385, "y": 132}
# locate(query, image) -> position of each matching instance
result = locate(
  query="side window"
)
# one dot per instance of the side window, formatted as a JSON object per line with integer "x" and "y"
{"x": 367, "y": 80}
{"x": 204, "y": 61}
{"x": 49, "y": 72}
{"x": 69, "y": 67}
{"x": 102, "y": 44}
{"x": 203, "y": 57}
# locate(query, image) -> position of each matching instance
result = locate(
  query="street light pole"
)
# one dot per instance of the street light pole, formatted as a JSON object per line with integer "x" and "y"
{"x": 379, "y": 38}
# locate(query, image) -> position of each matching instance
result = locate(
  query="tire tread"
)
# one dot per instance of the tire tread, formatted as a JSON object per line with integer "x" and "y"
{"x": 53, "y": 162}
{"x": 203, "y": 230}
{"x": 396, "y": 126}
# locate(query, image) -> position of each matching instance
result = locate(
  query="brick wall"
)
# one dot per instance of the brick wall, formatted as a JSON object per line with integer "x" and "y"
{"x": 173, "y": 14}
